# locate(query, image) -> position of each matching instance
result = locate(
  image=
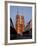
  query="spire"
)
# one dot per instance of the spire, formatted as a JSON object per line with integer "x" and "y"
{"x": 22, "y": 11}
{"x": 17, "y": 10}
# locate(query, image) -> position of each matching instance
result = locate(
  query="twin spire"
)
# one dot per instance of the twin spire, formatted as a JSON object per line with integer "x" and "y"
{"x": 19, "y": 13}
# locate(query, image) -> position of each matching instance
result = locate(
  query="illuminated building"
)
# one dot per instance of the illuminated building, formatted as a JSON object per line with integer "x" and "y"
{"x": 19, "y": 24}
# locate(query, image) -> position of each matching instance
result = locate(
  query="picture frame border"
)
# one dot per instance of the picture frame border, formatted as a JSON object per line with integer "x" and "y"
{"x": 6, "y": 22}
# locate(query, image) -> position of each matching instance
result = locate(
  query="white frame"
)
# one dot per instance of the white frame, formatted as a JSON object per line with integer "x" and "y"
{"x": 33, "y": 23}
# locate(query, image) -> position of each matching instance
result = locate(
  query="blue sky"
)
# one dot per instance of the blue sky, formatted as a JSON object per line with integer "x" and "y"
{"x": 25, "y": 11}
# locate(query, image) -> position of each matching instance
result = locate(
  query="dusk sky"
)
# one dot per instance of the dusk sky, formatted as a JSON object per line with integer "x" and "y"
{"x": 25, "y": 11}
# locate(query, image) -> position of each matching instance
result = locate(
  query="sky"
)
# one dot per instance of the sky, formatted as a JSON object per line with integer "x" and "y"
{"x": 25, "y": 11}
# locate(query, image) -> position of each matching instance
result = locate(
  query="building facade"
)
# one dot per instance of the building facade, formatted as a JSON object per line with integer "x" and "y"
{"x": 19, "y": 24}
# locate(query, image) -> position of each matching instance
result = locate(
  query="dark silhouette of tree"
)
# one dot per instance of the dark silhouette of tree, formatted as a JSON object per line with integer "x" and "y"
{"x": 11, "y": 23}
{"x": 13, "y": 32}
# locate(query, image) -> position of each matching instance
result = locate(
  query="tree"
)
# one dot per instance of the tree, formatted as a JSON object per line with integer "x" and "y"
{"x": 13, "y": 32}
